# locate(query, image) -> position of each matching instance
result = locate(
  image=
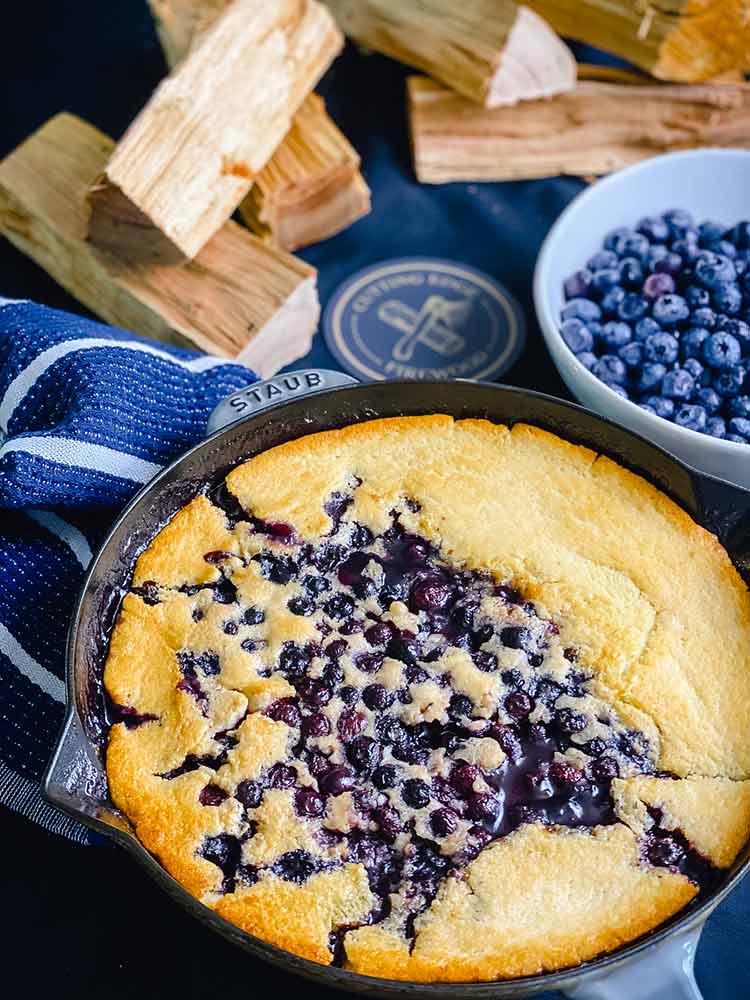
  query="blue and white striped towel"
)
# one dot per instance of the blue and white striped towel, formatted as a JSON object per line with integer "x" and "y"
{"x": 88, "y": 413}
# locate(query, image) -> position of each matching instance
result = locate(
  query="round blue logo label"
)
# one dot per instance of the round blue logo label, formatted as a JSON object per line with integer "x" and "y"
{"x": 422, "y": 317}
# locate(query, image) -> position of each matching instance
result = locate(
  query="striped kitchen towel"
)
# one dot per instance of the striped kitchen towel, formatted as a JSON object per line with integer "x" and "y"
{"x": 88, "y": 414}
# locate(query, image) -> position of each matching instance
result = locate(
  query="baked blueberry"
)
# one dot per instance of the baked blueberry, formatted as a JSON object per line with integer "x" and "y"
{"x": 371, "y": 756}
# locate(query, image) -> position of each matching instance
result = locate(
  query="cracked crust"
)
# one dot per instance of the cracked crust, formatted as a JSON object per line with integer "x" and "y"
{"x": 540, "y": 899}
{"x": 624, "y": 570}
{"x": 713, "y": 813}
{"x": 651, "y": 600}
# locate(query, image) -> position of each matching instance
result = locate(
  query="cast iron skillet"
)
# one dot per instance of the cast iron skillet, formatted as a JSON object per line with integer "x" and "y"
{"x": 288, "y": 407}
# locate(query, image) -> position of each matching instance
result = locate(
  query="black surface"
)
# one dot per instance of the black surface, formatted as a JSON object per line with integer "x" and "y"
{"x": 89, "y": 923}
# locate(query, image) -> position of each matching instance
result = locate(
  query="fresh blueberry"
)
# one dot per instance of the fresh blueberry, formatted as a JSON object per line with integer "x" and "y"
{"x": 730, "y": 381}
{"x": 739, "y": 235}
{"x": 680, "y": 222}
{"x": 669, "y": 310}
{"x": 602, "y": 259}
{"x": 653, "y": 228}
{"x": 703, "y": 317}
{"x": 648, "y": 409}
{"x": 740, "y": 426}
{"x": 691, "y": 416}
{"x": 657, "y": 285}
{"x": 604, "y": 281}
{"x": 709, "y": 232}
{"x": 727, "y": 299}
{"x": 577, "y": 285}
{"x": 595, "y": 329}
{"x": 609, "y": 368}
{"x": 696, "y": 297}
{"x": 619, "y": 389}
{"x": 632, "y": 245}
{"x": 615, "y": 334}
{"x": 716, "y": 427}
{"x": 739, "y": 407}
{"x": 670, "y": 265}
{"x": 633, "y": 307}
{"x": 611, "y": 238}
{"x": 661, "y": 347}
{"x": 696, "y": 369}
{"x": 631, "y": 272}
{"x": 655, "y": 254}
{"x": 632, "y": 354}
{"x": 692, "y": 341}
{"x": 736, "y": 438}
{"x": 576, "y": 335}
{"x": 713, "y": 270}
{"x": 662, "y": 406}
{"x": 687, "y": 250}
{"x": 678, "y": 384}
{"x": 724, "y": 248}
{"x": 738, "y": 328}
{"x": 651, "y": 376}
{"x": 611, "y": 302}
{"x": 709, "y": 399}
{"x": 587, "y": 359}
{"x": 645, "y": 327}
{"x": 721, "y": 350}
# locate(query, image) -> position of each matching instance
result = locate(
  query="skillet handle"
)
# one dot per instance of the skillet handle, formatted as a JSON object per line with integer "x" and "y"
{"x": 663, "y": 972}
{"x": 74, "y": 780}
{"x": 263, "y": 395}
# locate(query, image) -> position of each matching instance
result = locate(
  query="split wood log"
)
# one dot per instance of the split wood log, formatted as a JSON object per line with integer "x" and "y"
{"x": 596, "y": 128}
{"x": 494, "y": 52}
{"x": 239, "y": 298}
{"x": 686, "y": 41}
{"x": 195, "y": 150}
{"x": 311, "y": 188}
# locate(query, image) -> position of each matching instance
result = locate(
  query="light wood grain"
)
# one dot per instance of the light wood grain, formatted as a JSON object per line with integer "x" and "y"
{"x": 195, "y": 150}
{"x": 239, "y": 298}
{"x": 311, "y": 188}
{"x": 685, "y": 41}
{"x": 596, "y": 128}
{"x": 494, "y": 52}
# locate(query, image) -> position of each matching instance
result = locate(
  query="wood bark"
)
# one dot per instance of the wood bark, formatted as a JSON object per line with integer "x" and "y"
{"x": 596, "y": 128}
{"x": 239, "y": 298}
{"x": 195, "y": 150}
{"x": 494, "y": 52}
{"x": 685, "y": 41}
{"x": 311, "y": 188}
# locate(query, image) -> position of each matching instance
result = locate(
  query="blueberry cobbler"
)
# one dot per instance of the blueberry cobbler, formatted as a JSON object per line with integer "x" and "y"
{"x": 435, "y": 700}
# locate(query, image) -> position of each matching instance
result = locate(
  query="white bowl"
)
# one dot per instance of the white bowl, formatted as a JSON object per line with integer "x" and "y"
{"x": 710, "y": 183}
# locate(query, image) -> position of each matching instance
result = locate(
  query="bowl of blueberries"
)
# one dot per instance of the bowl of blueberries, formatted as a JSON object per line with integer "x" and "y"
{"x": 642, "y": 291}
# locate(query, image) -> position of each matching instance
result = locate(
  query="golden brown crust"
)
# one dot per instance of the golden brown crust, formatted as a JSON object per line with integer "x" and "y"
{"x": 301, "y": 918}
{"x": 540, "y": 899}
{"x": 650, "y": 601}
{"x": 713, "y": 813}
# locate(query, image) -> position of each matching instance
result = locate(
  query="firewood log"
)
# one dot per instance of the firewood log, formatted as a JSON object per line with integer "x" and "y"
{"x": 596, "y": 128}
{"x": 239, "y": 298}
{"x": 494, "y": 52}
{"x": 686, "y": 41}
{"x": 195, "y": 150}
{"x": 311, "y": 187}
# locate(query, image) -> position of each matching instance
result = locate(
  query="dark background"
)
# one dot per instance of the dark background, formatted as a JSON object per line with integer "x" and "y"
{"x": 87, "y": 922}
